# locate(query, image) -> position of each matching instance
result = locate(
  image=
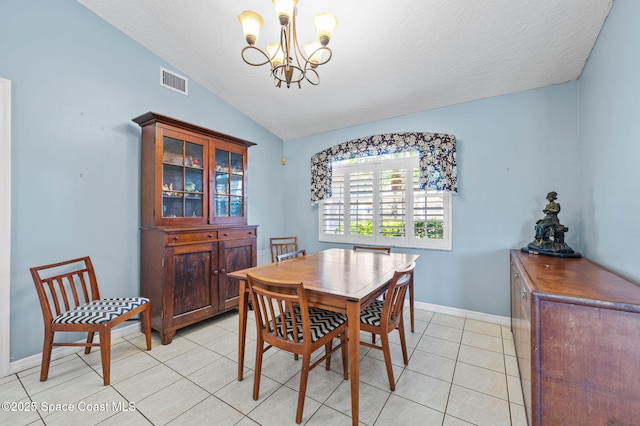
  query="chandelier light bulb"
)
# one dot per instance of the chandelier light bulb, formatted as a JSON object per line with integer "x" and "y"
{"x": 313, "y": 52}
{"x": 325, "y": 24}
{"x": 285, "y": 10}
{"x": 275, "y": 54}
{"x": 251, "y": 24}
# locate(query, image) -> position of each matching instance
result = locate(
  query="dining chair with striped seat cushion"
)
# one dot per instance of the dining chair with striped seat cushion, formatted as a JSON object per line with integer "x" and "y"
{"x": 302, "y": 332}
{"x": 70, "y": 302}
{"x": 383, "y": 316}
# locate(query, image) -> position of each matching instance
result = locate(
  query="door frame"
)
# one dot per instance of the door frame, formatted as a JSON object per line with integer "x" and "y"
{"x": 5, "y": 226}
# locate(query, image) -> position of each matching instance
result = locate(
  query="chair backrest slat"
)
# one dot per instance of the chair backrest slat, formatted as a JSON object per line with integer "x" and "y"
{"x": 63, "y": 293}
{"x": 53, "y": 296}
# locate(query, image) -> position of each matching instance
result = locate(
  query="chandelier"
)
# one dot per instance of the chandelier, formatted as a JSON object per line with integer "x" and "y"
{"x": 288, "y": 63}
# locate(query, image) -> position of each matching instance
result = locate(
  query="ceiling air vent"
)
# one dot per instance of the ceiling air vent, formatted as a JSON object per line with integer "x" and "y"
{"x": 173, "y": 81}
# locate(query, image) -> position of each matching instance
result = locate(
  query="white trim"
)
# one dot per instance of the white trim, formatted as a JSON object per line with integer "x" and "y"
{"x": 480, "y": 316}
{"x": 61, "y": 351}
{"x": 5, "y": 226}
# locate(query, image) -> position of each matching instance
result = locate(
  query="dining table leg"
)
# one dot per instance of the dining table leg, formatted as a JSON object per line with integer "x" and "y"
{"x": 411, "y": 304}
{"x": 353, "y": 316}
{"x": 242, "y": 326}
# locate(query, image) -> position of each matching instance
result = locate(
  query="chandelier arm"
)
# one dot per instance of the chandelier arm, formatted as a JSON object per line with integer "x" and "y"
{"x": 316, "y": 64}
{"x": 246, "y": 48}
{"x": 296, "y": 47}
{"x": 310, "y": 72}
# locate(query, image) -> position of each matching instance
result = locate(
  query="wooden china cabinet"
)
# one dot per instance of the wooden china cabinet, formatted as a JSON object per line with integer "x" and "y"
{"x": 193, "y": 221}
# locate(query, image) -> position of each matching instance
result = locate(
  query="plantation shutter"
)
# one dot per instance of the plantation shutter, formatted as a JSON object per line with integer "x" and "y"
{"x": 428, "y": 210}
{"x": 361, "y": 201}
{"x": 333, "y": 208}
{"x": 392, "y": 202}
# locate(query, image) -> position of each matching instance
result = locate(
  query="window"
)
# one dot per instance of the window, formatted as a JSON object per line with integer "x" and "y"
{"x": 377, "y": 200}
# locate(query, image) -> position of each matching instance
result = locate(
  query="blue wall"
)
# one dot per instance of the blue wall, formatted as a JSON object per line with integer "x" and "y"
{"x": 77, "y": 82}
{"x": 512, "y": 150}
{"x": 610, "y": 143}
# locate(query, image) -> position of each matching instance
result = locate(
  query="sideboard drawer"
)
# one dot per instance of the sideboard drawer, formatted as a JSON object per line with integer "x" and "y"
{"x": 180, "y": 238}
{"x": 234, "y": 234}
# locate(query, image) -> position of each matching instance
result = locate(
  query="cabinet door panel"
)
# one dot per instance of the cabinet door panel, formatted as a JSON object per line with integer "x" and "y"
{"x": 235, "y": 255}
{"x": 521, "y": 327}
{"x": 194, "y": 283}
{"x": 181, "y": 178}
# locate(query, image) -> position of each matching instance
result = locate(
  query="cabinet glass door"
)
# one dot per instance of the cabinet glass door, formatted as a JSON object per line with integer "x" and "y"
{"x": 182, "y": 179}
{"x": 229, "y": 184}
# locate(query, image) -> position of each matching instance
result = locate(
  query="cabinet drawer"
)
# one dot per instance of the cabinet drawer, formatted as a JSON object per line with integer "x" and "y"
{"x": 233, "y": 234}
{"x": 179, "y": 238}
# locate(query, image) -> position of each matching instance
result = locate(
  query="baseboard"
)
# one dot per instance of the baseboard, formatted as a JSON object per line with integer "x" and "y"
{"x": 62, "y": 351}
{"x": 480, "y": 316}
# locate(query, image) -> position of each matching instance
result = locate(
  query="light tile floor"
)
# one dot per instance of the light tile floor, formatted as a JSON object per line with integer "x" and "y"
{"x": 460, "y": 372}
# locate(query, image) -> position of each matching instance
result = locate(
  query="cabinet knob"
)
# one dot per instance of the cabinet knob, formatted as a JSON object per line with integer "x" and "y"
{"x": 515, "y": 275}
{"x": 524, "y": 294}
{"x": 224, "y": 271}
{"x": 225, "y": 234}
{"x": 215, "y": 272}
{"x": 210, "y": 235}
{"x": 176, "y": 238}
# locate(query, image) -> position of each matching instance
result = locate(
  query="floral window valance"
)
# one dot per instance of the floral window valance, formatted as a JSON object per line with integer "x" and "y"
{"x": 437, "y": 159}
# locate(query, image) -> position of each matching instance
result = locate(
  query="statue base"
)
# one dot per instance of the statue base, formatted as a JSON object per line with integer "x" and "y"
{"x": 550, "y": 253}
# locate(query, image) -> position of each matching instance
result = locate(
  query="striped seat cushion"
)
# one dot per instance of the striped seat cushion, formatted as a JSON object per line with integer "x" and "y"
{"x": 100, "y": 311}
{"x": 371, "y": 314}
{"x": 322, "y": 322}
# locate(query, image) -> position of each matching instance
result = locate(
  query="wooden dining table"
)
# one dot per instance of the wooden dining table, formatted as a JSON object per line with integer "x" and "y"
{"x": 340, "y": 280}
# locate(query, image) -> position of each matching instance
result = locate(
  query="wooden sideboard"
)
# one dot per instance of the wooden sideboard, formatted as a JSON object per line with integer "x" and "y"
{"x": 576, "y": 328}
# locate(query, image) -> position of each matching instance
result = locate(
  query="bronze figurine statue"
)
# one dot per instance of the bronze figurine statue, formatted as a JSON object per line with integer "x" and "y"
{"x": 549, "y": 237}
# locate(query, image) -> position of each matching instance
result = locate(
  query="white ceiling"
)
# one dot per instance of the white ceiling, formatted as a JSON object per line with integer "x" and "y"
{"x": 390, "y": 58}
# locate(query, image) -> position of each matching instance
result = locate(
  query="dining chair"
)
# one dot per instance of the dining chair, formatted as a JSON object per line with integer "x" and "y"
{"x": 387, "y": 250}
{"x": 291, "y": 255}
{"x": 285, "y": 321}
{"x": 281, "y": 245}
{"x": 375, "y": 249}
{"x": 383, "y": 316}
{"x": 70, "y": 302}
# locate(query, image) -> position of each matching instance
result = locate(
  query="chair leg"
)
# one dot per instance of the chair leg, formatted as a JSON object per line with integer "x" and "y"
{"x": 87, "y": 348}
{"x": 304, "y": 375}
{"x": 384, "y": 337}
{"x": 46, "y": 354}
{"x": 373, "y": 337}
{"x": 411, "y": 303}
{"x": 345, "y": 355}
{"x": 146, "y": 325}
{"x": 403, "y": 342}
{"x": 327, "y": 351}
{"x": 258, "y": 368}
{"x": 105, "y": 354}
